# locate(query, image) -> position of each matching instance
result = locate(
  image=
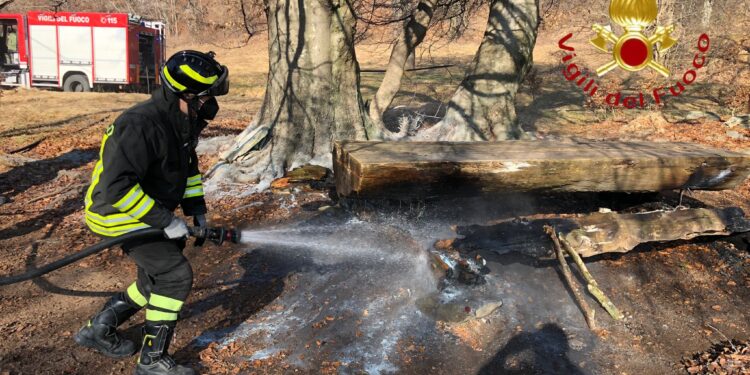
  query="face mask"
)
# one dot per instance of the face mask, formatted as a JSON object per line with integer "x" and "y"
{"x": 207, "y": 110}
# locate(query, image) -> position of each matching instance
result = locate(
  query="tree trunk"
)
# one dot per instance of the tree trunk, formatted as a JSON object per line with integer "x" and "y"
{"x": 312, "y": 94}
{"x": 5, "y": 3}
{"x": 412, "y": 35}
{"x": 483, "y": 107}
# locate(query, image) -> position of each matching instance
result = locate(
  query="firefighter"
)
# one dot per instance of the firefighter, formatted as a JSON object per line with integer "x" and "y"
{"x": 147, "y": 167}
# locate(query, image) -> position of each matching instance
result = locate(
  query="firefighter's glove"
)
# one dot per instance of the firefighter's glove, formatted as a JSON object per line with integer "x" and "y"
{"x": 176, "y": 229}
{"x": 199, "y": 221}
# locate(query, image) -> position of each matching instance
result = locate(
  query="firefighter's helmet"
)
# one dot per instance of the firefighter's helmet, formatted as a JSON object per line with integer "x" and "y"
{"x": 197, "y": 73}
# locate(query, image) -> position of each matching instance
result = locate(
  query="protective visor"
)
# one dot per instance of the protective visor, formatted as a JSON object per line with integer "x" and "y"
{"x": 221, "y": 86}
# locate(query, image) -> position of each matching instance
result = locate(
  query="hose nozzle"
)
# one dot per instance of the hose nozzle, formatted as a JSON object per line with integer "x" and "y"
{"x": 216, "y": 235}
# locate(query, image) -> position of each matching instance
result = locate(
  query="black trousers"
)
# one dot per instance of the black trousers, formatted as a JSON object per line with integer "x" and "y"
{"x": 164, "y": 277}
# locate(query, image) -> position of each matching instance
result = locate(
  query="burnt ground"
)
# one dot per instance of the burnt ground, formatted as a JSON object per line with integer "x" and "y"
{"x": 357, "y": 305}
{"x": 370, "y": 302}
{"x": 366, "y": 301}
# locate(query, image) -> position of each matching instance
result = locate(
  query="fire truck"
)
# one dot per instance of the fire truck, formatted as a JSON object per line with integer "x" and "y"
{"x": 80, "y": 51}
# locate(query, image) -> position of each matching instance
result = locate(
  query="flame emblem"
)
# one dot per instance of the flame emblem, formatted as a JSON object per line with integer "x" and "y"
{"x": 633, "y": 51}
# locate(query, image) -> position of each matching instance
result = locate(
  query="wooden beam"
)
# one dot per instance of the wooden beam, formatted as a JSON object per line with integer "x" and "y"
{"x": 422, "y": 169}
{"x": 598, "y": 233}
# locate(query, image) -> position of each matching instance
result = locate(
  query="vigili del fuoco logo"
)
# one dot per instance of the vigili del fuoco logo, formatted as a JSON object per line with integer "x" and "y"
{"x": 633, "y": 51}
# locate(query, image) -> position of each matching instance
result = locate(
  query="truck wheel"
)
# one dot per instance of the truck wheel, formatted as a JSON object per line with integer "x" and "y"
{"x": 76, "y": 83}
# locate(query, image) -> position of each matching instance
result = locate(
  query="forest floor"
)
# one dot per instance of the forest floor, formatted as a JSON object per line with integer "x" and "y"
{"x": 258, "y": 309}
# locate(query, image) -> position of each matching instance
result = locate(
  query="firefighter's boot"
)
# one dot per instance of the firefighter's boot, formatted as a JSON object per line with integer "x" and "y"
{"x": 100, "y": 332}
{"x": 155, "y": 359}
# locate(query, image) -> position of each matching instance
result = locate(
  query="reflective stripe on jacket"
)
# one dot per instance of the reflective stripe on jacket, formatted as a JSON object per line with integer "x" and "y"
{"x": 147, "y": 167}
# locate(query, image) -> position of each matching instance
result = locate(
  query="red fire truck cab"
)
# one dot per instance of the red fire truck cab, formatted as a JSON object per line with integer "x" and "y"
{"x": 79, "y": 51}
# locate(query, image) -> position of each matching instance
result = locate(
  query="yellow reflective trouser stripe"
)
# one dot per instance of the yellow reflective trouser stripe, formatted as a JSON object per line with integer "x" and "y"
{"x": 196, "y": 76}
{"x": 164, "y": 302}
{"x": 196, "y": 191}
{"x": 194, "y": 180}
{"x": 171, "y": 80}
{"x": 160, "y": 316}
{"x": 129, "y": 199}
{"x": 136, "y": 296}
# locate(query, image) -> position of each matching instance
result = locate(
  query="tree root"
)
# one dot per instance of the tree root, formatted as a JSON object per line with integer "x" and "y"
{"x": 261, "y": 167}
{"x": 257, "y": 168}
{"x": 69, "y": 188}
{"x": 588, "y": 313}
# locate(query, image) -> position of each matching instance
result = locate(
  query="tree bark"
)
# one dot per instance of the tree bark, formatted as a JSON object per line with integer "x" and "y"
{"x": 483, "y": 107}
{"x": 312, "y": 93}
{"x": 412, "y": 35}
{"x": 598, "y": 233}
{"x": 5, "y": 3}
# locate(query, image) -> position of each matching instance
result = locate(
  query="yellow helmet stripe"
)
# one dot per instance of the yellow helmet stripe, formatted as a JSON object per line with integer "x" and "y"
{"x": 172, "y": 81}
{"x": 196, "y": 76}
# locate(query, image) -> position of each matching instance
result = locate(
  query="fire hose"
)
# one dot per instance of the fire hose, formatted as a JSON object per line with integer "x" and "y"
{"x": 201, "y": 234}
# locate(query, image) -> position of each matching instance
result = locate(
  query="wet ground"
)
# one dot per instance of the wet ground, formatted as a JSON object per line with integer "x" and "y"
{"x": 362, "y": 306}
{"x": 365, "y": 297}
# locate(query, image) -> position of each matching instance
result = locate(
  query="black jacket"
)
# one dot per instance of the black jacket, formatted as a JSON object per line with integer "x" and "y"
{"x": 147, "y": 167}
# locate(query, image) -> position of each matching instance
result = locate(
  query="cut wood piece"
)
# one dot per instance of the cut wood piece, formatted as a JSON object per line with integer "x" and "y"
{"x": 423, "y": 169}
{"x": 599, "y": 233}
{"x": 308, "y": 173}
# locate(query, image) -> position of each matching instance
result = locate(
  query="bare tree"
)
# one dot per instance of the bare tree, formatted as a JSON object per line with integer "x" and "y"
{"x": 313, "y": 98}
{"x": 312, "y": 93}
{"x": 483, "y": 107}
{"x": 413, "y": 34}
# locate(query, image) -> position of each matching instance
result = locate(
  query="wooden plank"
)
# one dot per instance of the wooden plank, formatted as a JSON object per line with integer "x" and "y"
{"x": 598, "y": 233}
{"x": 419, "y": 169}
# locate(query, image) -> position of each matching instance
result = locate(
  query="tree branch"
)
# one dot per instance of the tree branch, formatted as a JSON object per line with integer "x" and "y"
{"x": 588, "y": 313}
{"x": 6, "y": 3}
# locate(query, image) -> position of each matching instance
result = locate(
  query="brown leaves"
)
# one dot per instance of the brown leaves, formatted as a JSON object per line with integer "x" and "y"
{"x": 280, "y": 183}
{"x": 725, "y": 358}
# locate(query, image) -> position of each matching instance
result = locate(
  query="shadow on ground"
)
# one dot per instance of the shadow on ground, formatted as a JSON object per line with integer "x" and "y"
{"x": 19, "y": 179}
{"x": 544, "y": 351}
{"x": 260, "y": 283}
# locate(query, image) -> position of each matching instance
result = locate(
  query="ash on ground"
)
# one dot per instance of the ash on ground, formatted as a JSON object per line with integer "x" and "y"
{"x": 361, "y": 293}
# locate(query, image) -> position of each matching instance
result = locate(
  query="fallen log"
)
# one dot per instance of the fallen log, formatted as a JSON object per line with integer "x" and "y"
{"x": 598, "y": 233}
{"x": 423, "y": 169}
